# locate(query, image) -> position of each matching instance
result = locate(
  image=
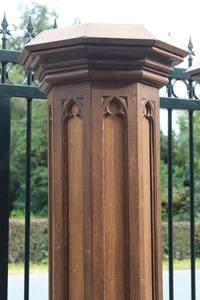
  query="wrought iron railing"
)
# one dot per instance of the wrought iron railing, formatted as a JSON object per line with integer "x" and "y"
{"x": 188, "y": 100}
{"x": 29, "y": 91}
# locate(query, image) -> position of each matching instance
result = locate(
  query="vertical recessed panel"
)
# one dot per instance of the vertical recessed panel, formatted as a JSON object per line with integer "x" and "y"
{"x": 150, "y": 200}
{"x": 147, "y": 210}
{"x": 75, "y": 204}
{"x": 114, "y": 203}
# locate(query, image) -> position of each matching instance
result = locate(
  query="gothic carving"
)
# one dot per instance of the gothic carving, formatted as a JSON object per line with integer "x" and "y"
{"x": 120, "y": 102}
{"x": 72, "y": 194}
{"x": 148, "y": 109}
{"x": 148, "y": 113}
{"x": 72, "y": 108}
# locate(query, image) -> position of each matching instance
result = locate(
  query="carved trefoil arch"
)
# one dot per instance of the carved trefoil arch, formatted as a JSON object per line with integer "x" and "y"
{"x": 121, "y": 103}
{"x": 72, "y": 107}
{"x": 148, "y": 108}
{"x": 73, "y": 194}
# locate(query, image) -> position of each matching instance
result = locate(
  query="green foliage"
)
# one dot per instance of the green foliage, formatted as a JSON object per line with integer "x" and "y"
{"x": 181, "y": 169}
{"x": 18, "y": 151}
{"x": 181, "y": 241}
{"x": 39, "y": 159}
{"x": 42, "y": 18}
{"x": 38, "y": 241}
{"x": 39, "y": 178}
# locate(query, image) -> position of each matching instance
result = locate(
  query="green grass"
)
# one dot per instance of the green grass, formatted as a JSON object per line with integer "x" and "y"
{"x": 181, "y": 264}
{"x": 20, "y": 215}
{"x": 16, "y": 269}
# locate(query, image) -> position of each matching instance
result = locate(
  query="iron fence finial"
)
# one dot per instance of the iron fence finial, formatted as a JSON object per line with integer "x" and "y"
{"x": 55, "y": 24}
{"x": 190, "y": 44}
{"x": 4, "y": 28}
{"x": 191, "y": 52}
{"x": 30, "y": 30}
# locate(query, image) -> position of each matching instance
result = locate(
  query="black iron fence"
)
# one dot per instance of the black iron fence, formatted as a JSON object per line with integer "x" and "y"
{"x": 29, "y": 91}
{"x": 189, "y": 103}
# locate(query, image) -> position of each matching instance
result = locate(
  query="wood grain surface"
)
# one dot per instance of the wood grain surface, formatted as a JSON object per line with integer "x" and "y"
{"x": 102, "y": 83}
{"x": 104, "y": 200}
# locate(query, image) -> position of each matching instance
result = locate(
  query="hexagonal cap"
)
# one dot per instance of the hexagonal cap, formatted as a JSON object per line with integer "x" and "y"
{"x": 100, "y": 52}
{"x": 100, "y": 32}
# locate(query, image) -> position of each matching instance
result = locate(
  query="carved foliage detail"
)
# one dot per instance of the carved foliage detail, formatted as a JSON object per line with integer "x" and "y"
{"x": 120, "y": 105}
{"x": 72, "y": 108}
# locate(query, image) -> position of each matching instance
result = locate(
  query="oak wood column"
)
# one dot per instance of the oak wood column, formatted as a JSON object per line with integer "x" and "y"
{"x": 102, "y": 83}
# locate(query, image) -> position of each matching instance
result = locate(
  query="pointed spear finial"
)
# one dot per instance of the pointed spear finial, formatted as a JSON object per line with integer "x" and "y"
{"x": 191, "y": 52}
{"x": 4, "y": 30}
{"x": 55, "y": 24}
{"x": 190, "y": 44}
{"x": 30, "y": 30}
{"x": 4, "y": 23}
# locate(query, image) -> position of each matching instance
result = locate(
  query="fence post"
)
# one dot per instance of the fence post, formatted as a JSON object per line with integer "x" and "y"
{"x": 102, "y": 83}
{"x": 4, "y": 192}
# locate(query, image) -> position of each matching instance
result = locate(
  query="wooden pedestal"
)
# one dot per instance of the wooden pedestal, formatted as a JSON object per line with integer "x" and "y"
{"x": 104, "y": 204}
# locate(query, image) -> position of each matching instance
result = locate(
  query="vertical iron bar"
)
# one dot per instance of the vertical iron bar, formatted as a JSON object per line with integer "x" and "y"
{"x": 4, "y": 173}
{"x": 28, "y": 194}
{"x": 4, "y": 192}
{"x": 170, "y": 200}
{"x": 191, "y": 170}
{"x": 3, "y": 72}
{"x": 192, "y": 208}
{"x": 28, "y": 35}
{"x": 170, "y": 208}
{"x": 27, "y": 200}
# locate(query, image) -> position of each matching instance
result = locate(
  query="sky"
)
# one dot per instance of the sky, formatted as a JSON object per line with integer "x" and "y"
{"x": 179, "y": 18}
{"x": 172, "y": 21}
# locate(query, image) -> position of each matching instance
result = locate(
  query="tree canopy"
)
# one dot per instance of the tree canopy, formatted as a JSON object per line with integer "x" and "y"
{"x": 42, "y": 19}
{"x": 181, "y": 168}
